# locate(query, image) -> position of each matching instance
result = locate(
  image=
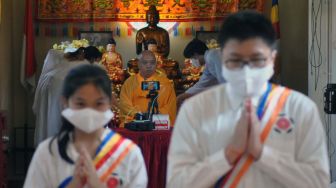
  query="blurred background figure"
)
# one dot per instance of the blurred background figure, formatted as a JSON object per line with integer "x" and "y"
{"x": 47, "y": 104}
{"x": 199, "y": 55}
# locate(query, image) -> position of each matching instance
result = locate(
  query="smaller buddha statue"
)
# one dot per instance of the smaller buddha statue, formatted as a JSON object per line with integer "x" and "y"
{"x": 151, "y": 45}
{"x": 192, "y": 70}
{"x": 112, "y": 60}
{"x": 152, "y": 31}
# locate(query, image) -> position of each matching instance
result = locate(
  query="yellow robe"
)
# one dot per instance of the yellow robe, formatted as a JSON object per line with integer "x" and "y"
{"x": 133, "y": 99}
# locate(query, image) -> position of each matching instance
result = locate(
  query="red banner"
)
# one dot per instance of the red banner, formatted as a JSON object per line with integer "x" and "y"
{"x": 28, "y": 63}
{"x": 135, "y": 10}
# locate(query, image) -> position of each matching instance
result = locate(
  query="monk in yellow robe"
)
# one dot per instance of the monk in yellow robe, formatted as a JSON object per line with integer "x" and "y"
{"x": 134, "y": 100}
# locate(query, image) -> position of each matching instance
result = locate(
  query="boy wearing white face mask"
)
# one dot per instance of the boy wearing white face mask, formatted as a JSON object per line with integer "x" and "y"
{"x": 248, "y": 133}
{"x": 84, "y": 153}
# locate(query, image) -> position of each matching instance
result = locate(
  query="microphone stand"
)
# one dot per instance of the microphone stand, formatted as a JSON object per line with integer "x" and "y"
{"x": 153, "y": 107}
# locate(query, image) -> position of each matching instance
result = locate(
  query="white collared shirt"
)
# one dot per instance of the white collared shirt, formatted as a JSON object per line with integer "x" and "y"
{"x": 294, "y": 155}
{"x": 48, "y": 169}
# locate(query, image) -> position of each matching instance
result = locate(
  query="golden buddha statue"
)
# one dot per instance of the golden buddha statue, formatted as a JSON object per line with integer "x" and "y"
{"x": 112, "y": 61}
{"x": 166, "y": 66}
{"x": 152, "y": 31}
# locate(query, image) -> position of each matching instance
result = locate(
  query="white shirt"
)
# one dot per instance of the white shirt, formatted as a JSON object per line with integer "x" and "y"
{"x": 205, "y": 124}
{"x": 48, "y": 169}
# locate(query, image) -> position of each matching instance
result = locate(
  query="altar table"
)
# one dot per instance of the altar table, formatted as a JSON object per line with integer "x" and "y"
{"x": 154, "y": 146}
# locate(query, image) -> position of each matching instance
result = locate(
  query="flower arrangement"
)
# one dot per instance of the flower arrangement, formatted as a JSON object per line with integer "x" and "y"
{"x": 212, "y": 43}
{"x": 74, "y": 44}
{"x": 101, "y": 49}
{"x": 66, "y": 46}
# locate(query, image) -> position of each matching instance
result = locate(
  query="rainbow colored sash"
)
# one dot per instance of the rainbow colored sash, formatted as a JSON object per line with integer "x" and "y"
{"x": 109, "y": 155}
{"x": 272, "y": 106}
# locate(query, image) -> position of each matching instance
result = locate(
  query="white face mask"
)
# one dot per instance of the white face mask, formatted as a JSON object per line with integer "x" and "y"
{"x": 248, "y": 82}
{"x": 87, "y": 119}
{"x": 195, "y": 62}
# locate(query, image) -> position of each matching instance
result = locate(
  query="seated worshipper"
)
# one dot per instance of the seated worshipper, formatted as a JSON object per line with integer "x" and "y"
{"x": 247, "y": 132}
{"x": 199, "y": 54}
{"x": 134, "y": 100}
{"x": 84, "y": 153}
{"x": 47, "y": 105}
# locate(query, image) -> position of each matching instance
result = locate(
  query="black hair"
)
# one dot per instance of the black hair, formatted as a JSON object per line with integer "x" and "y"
{"x": 112, "y": 41}
{"x": 89, "y": 53}
{"x": 150, "y": 41}
{"x": 195, "y": 46}
{"x": 78, "y": 54}
{"x": 92, "y": 53}
{"x": 76, "y": 78}
{"x": 246, "y": 25}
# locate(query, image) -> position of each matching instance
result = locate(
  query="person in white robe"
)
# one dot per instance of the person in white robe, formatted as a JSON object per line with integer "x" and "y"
{"x": 47, "y": 106}
{"x": 248, "y": 133}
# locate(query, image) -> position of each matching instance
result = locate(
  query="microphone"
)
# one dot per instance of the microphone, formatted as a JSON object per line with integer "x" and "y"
{"x": 147, "y": 124}
{"x": 151, "y": 109}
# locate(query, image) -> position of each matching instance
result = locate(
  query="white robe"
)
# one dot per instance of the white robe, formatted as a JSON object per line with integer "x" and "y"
{"x": 48, "y": 170}
{"x": 47, "y": 104}
{"x": 293, "y": 157}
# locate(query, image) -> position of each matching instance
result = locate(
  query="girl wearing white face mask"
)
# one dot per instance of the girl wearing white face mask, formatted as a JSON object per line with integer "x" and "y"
{"x": 84, "y": 153}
